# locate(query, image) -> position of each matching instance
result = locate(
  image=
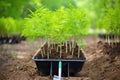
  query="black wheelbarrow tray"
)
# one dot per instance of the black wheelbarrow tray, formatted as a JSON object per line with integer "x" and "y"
{"x": 49, "y": 67}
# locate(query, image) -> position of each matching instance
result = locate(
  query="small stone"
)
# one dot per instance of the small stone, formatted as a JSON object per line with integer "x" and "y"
{"x": 11, "y": 70}
{"x": 18, "y": 67}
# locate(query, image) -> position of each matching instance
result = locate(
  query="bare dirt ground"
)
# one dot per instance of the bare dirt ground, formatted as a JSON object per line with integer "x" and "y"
{"x": 16, "y": 62}
{"x": 103, "y": 60}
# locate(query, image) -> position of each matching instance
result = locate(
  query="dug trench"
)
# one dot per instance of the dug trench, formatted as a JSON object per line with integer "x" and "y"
{"x": 101, "y": 63}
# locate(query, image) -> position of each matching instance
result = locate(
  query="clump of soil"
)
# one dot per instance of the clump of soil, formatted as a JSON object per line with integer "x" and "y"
{"x": 111, "y": 49}
{"x": 55, "y": 50}
{"x": 15, "y": 68}
{"x": 106, "y": 66}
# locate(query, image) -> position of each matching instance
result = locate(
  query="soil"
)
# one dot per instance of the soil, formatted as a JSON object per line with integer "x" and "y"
{"x": 52, "y": 53}
{"x": 103, "y": 61}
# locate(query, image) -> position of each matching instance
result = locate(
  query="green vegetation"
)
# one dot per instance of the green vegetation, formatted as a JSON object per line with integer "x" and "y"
{"x": 10, "y": 26}
{"x": 55, "y": 4}
{"x": 59, "y": 20}
{"x": 13, "y": 12}
{"x": 111, "y": 21}
{"x": 57, "y": 26}
{"x": 52, "y": 24}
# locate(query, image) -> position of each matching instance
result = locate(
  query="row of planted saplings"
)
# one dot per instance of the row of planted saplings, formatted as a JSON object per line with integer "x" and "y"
{"x": 10, "y": 39}
{"x": 111, "y": 39}
{"x": 60, "y": 50}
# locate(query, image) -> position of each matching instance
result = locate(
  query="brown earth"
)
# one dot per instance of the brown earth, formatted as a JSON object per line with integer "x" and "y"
{"x": 103, "y": 62}
{"x": 72, "y": 52}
